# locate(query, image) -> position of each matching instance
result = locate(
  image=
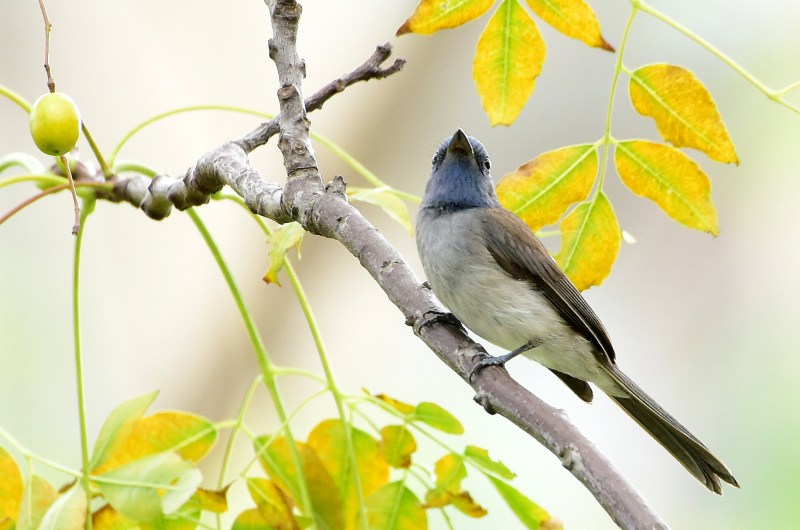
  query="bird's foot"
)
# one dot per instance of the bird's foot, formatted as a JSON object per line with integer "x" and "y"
{"x": 433, "y": 316}
{"x": 499, "y": 360}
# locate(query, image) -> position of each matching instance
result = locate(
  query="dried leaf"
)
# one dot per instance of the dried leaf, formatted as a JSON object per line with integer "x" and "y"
{"x": 573, "y": 18}
{"x": 541, "y": 190}
{"x": 433, "y": 15}
{"x": 670, "y": 179}
{"x": 509, "y": 57}
{"x": 682, "y": 108}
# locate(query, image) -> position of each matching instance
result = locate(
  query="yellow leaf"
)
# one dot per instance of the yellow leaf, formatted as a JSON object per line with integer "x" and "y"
{"x": 397, "y": 445}
{"x": 509, "y": 57}
{"x": 10, "y": 487}
{"x": 464, "y": 502}
{"x": 273, "y": 504}
{"x": 278, "y": 462}
{"x": 541, "y": 190}
{"x": 450, "y": 471}
{"x": 189, "y": 435}
{"x": 670, "y": 179}
{"x": 573, "y": 18}
{"x": 281, "y": 240}
{"x": 399, "y": 406}
{"x": 590, "y": 241}
{"x": 682, "y": 108}
{"x": 107, "y": 518}
{"x": 433, "y": 15}
{"x": 395, "y": 507}
{"x": 215, "y": 501}
{"x": 329, "y": 442}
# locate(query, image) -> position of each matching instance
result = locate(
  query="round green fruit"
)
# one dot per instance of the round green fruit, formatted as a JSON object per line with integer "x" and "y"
{"x": 55, "y": 123}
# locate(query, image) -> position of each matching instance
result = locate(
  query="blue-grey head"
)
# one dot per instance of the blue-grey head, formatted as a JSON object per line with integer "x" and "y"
{"x": 460, "y": 177}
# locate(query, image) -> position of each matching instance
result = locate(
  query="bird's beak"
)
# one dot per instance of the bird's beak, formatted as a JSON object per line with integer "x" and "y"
{"x": 459, "y": 143}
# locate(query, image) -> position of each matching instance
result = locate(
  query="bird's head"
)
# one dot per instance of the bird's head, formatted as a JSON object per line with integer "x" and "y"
{"x": 460, "y": 177}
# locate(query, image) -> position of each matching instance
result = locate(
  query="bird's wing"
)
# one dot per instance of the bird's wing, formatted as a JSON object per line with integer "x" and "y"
{"x": 524, "y": 257}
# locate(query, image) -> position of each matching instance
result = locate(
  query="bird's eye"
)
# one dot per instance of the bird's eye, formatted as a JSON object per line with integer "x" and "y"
{"x": 487, "y": 164}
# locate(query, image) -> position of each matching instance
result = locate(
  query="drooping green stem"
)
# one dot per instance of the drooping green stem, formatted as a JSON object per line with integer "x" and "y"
{"x": 264, "y": 362}
{"x": 16, "y": 98}
{"x": 338, "y": 396}
{"x": 76, "y": 331}
{"x": 773, "y": 94}
{"x": 106, "y": 169}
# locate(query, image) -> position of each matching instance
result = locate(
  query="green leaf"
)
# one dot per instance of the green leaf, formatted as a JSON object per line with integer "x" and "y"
{"x": 117, "y": 427}
{"x": 682, "y": 108}
{"x": 397, "y": 445}
{"x": 573, "y": 18}
{"x": 670, "y": 179}
{"x": 386, "y": 199}
{"x": 157, "y": 484}
{"x": 435, "y": 416}
{"x": 68, "y": 512}
{"x": 274, "y": 505}
{"x": 533, "y": 516}
{"x": 38, "y": 496}
{"x": 395, "y": 507}
{"x": 251, "y": 520}
{"x": 480, "y": 458}
{"x": 590, "y": 241}
{"x": 278, "y": 462}
{"x": 541, "y": 190}
{"x": 433, "y": 15}
{"x": 25, "y": 161}
{"x": 284, "y": 238}
{"x": 509, "y": 57}
{"x": 10, "y": 486}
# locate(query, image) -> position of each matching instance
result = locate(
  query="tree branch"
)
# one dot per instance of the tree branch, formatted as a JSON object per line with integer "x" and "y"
{"x": 323, "y": 210}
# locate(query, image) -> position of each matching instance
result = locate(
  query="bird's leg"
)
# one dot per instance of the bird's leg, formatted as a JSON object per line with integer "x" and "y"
{"x": 501, "y": 360}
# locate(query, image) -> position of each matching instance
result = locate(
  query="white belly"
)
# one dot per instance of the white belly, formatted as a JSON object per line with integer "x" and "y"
{"x": 500, "y": 309}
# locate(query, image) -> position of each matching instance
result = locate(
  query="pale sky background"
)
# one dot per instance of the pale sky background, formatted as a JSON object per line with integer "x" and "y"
{"x": 707, "y": 326}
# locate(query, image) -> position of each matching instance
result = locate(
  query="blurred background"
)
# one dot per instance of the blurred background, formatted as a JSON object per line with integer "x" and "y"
{"x": 706, "y": 325}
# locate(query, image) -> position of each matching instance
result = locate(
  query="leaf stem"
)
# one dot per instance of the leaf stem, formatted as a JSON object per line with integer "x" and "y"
{"x": 265, "y": 363}
{"x": 618, "y": 68}
{"x": 774, "y": 95}
{"x": 76, "y": 319}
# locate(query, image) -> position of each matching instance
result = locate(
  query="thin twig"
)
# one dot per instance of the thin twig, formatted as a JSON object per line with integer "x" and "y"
{"x": 51, "y": 85}
{"x": 369, "y": 69}
{"x": 77, "y": 226}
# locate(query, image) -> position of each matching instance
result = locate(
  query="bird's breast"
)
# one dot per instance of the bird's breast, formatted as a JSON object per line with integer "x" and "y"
{"x": 503, "y": 310}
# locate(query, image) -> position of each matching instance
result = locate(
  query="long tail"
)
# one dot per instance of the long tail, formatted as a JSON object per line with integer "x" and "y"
{"x": 675, "y": 438}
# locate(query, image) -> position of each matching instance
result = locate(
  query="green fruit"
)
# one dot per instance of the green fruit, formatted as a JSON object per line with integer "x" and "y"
{"x": 55, "y": 123}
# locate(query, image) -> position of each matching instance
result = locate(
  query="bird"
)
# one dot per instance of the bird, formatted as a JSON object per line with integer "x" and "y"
{"x": 494, "y": 275}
